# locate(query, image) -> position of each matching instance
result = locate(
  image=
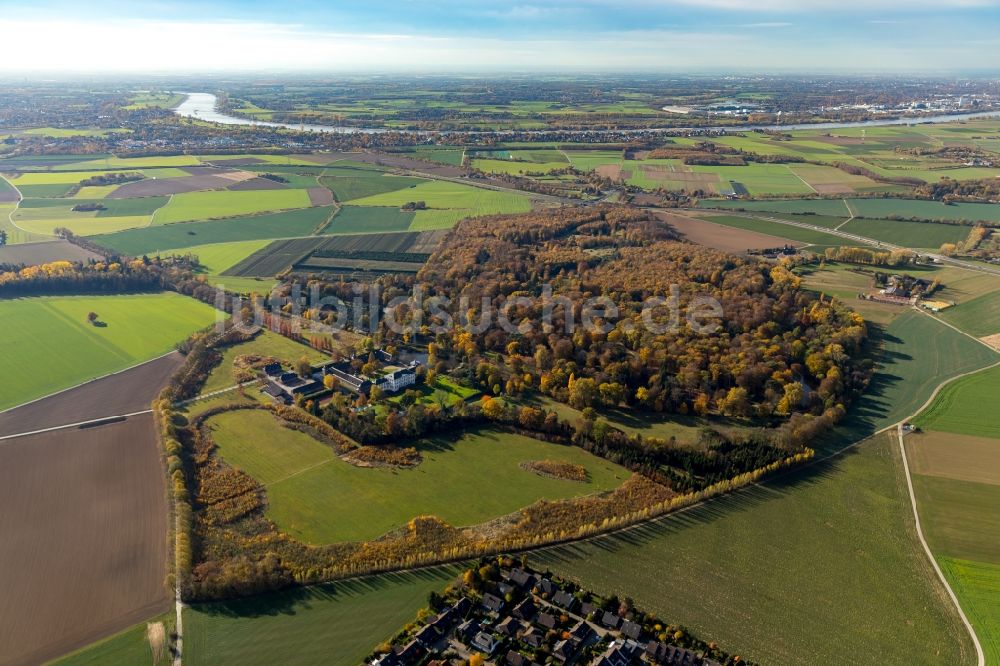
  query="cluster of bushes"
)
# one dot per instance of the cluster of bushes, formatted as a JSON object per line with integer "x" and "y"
{"x": 115, "y": 178}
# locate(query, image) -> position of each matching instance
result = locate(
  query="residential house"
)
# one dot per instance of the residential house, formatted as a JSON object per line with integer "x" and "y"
{"x": 631, "y": 630}
{"x": 522, "y": 579}
{"x": 565, "y": 600}
{"x": 533, "y": 637}
{"x": 492, "y": 603}
{"x": 564, "y": 651}
{"x": 546, "y": 620}
{"x": 484, "y": 642}
{"x": 510, "y": 626}
{"x": 581, "y": 632}
{"x": 525, "y": 610}
{"x": 427, "y": 636}
{"x": 610, "y": 620}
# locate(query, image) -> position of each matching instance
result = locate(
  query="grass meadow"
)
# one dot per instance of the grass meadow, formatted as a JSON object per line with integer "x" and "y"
{"x": 979, "y": 316}
{"x": 127, "y": 647}
{"x": 208, "y": 205}
{"x": 449, "y": 202}
{"x": 265, "y": 344}
{"x": 907, "y": 234}
{"x": 50, "y": 345}
{"x": 289, "y": 224}
{"x": 320, "y": 499}
{"x": 336, "y": 624}
{"x": 809, "y": 567}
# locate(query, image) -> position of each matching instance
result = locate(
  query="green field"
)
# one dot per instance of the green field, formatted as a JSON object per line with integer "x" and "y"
{"x": 918, "y": 353}
{"x": 808, "y": 568}
{"x": 61, "y": 133}
{"x": 441, "y": 155}
{"x": 127, "y": 647}
{"x": 210, "y": 205}
{"x": 81, "y": 224}
{"x": 50, "y": 345}
{"x": 516, "y": 168}
{"x": 979, "y": 316}
{"x": 872, "y": 208}
{"x": 442, "y": 391}
{"x": 977, "y": 586}
{"x": 265, "y": 344}
{"x": 55, "y": 190}
{"x": 369, "y": 220}
{"x": 56, "y": 177}
{"x": 15, "y": 235}
{"x": 760, "y": 179}
{"x": 151, "y": 240}
{"x": 217, "y": 258}
{"x": 959, "y": 406}
{"x": 371, "y": 183}
{"x": 336, "y": 624}
{"x": 960, "y": 518}
{"x": 320, "y": 499}
{"x": 778, "y": 229}
{"x": 449, "y": 202}
{"x": 907, "y": 234}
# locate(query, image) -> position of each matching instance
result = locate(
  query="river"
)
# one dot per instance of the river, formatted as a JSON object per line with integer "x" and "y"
{"x": 202, "y": 107}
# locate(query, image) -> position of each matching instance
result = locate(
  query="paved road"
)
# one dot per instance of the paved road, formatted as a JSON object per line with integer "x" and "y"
{"x": 969, "y": 265}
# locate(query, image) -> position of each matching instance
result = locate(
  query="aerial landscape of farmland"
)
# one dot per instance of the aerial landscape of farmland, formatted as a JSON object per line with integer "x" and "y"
{"x": 585, "y": 333}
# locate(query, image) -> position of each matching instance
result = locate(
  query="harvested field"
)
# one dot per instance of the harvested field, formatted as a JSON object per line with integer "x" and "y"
{"x": 84, "y": 548}
{"x": 320, "y": 196}
{"x": 612, "y": 171}
{"x": 952, "y": 456}
{"x": 348, "y": 265}
{"x": 238, "y": 161}
{"x": 164, "y": 186}
{"x": 727, "y": 239}
{"x": 993, "y": 341}
{"x": 283, "y": 254}
{"x": 257, "y": 184}
{"x": 399, "y": 161}
{"x": 43, "y": 253}
{"x": 234, "y": 176}
{"x": 8, "y": 194}
{"x": 126, "y": 392}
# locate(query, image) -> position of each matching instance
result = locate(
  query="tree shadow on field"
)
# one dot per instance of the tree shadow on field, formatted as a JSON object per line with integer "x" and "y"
{"x": 295, "y": 600}
{"x": 743, "y": 501}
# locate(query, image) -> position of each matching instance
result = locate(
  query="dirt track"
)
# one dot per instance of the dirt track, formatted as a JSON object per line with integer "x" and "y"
{"x": 83, "y": 547}
{"x": 44, "y": 252}
{"x": 124, "y": 393}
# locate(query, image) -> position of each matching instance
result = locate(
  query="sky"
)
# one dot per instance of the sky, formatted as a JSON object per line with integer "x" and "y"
{"x": 453, "y": 36}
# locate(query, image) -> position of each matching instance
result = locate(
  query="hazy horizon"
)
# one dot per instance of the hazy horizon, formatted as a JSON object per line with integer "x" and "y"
{"x": 559, "y": 36}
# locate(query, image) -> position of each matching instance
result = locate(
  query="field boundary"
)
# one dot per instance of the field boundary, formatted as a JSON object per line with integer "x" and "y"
{"x": 110, "y": 419}
{"x": 89, "y": 381}
{"x": 861, "y": 239}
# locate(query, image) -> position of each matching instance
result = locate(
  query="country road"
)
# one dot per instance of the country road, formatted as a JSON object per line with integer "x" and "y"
{"x": 940, "y": 258}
